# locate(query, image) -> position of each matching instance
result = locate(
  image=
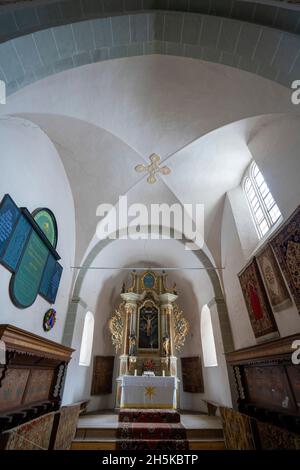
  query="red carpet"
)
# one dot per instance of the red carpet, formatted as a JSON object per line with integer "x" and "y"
{"x": 148, "y": 416}
{"x": 151, "y": 430}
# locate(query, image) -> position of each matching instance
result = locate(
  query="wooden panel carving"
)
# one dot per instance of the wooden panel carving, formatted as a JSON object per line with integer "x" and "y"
{"x": 31, "y": 381}
{"x": 268, "y": 383}
{"x": 39, "y": 385}
{"x": 294, "y": 377}
{"x": 269, "y": 386}
{"x": 192, "y": 379}
{"x": 10, "y": 394}
{"x": 102, "y": 375}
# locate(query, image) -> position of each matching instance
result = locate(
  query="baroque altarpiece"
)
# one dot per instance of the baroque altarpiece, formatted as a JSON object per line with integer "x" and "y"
{"x": 148, "y": 328}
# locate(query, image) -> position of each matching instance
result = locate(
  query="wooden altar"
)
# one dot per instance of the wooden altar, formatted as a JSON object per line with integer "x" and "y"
{"x": 32, "y": 377}
{"x": 147, "y": 329}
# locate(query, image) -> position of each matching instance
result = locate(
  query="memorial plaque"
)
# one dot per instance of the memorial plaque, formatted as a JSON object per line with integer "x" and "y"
{"x": 27, "y": 249}
{"x": 25, "y": 283}
{"x": 50, "y": 280}
{"x": 9, "y": 214}
{"x": 54, "y": 283}
{"x": 47, "y": 275}
{"x": 16, "y": 244}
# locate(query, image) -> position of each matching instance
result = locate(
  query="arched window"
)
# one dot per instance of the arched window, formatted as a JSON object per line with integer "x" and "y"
{"x": 207, "y": 339}
{"x": 263, "y": 207}
{"x": 87, "y": 340}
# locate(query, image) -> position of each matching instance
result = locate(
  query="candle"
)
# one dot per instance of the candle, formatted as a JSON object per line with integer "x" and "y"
{"x": 164, "y": 373}
{"x": 135, "y": 371}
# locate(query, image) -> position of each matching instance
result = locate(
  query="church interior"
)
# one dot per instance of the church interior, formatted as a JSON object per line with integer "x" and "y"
{"x": 120, "y": 328}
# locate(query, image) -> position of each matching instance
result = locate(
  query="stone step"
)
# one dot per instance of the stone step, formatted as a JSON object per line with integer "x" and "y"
{"x": 111, "y": 433}
{"x": 148, "y": 416}
{"x": 111, "y": 444}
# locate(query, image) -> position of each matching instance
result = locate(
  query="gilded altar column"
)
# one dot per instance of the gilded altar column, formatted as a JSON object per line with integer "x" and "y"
{"x": 130, "y": 329}
{"x": 167, "y": 300}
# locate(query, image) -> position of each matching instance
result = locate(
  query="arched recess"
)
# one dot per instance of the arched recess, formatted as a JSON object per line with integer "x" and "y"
{"x": 261, "y": 50}
{"x": 218, "y": 301}
{"x": 203, "y": 259}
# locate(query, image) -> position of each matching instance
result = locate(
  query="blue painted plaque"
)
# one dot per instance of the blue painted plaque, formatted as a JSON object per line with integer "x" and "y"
{"x": 16, "y": 244}
{"x": 47, "y": 276}
{"x": 25, "y": 250}
{"x": 149, "y": 280}
{"x": 9, "y": 214}
{"x": 54, "y": 283}
{"x": 25, "y": 283}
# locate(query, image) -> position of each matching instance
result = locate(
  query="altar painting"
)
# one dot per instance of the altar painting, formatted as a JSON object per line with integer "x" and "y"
{"x": 148, "y": 327}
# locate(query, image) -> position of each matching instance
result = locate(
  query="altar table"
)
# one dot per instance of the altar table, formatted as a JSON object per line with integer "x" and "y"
{"x": 148, "y": 392}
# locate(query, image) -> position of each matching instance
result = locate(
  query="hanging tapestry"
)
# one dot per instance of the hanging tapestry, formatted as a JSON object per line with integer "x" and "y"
{"x": 192, "y": 379}
{"x": 286, "y": 246}
{"x": 66, "y": 423}
{"x": 238, "y": 430}
{"x": 274, "y": 282}
{"x": 273, "y": 437}
{"x": 34, "y": 435}
{"x": 259, "y": 309}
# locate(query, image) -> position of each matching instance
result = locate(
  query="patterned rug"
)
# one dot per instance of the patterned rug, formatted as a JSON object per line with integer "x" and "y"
{"x": 151, "y": 430}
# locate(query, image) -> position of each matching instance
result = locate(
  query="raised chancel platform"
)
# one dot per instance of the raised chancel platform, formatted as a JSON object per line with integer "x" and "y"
{"x": 103, "y": 430}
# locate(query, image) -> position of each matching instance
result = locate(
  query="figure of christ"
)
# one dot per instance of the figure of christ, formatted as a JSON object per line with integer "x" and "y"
{"x": 148, "y": 327}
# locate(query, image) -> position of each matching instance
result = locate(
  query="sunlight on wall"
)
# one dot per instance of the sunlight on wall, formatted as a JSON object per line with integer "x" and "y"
{"x": 207, "y": 338}
{"x": 87, "y": 340}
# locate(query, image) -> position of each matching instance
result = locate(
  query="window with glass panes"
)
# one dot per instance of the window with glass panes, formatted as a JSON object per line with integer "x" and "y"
{"x": 262, "y": 204}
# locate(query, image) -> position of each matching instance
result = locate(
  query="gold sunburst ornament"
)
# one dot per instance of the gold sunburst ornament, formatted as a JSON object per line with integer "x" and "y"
{"x": 153, "y": 168}
{"x": 149, "y": 392}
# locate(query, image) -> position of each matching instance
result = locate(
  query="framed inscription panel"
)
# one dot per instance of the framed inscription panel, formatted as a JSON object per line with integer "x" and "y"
{"x": 27, "y": 249}
{"x": 9, "y": 214}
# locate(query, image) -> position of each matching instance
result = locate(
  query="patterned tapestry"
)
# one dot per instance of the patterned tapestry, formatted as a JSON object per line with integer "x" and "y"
{"x": 34, "y": 435}
{"x": 286, "y": 246}
{"x": 192, "y": 379}
{"x": 238, "y": 430}
{"x": 259, "y": 309}
{"x": 278, "y": 293}
{"x": 273, "y": 437}
{"x": 66, "y": 430}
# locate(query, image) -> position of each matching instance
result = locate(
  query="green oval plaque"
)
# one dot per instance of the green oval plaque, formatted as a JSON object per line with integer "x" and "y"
{"x": 47, "y": 223}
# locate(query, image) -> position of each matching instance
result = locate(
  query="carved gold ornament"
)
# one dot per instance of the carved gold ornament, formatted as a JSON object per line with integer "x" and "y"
{"x": 153, "y": 168}
{"x": 116, "y": 327}
{"x": 181, "y": 328}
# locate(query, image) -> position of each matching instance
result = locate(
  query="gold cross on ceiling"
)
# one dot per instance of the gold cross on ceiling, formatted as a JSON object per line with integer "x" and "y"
{"x": 153, "y": 168}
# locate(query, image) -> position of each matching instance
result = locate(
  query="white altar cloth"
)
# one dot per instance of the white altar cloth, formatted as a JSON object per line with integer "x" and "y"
{"x": 148, "y": 392}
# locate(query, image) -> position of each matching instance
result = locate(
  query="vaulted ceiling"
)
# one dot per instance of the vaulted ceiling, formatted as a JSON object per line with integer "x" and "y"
{"x": 195, "y": 115}
{"x": 46, "y": 37}
{"x": 111, "y": 82}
